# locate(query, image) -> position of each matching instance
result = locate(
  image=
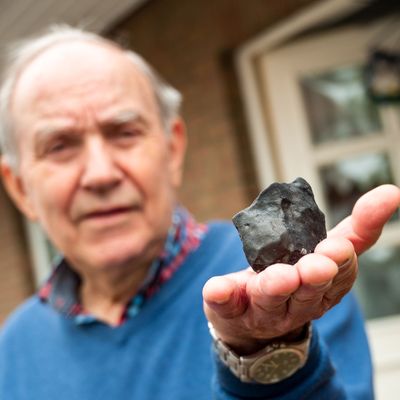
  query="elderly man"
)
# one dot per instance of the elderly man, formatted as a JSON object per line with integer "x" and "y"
{"x": 92, "y": 149}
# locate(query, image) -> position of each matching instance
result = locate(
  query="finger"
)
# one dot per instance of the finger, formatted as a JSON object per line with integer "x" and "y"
{"x": 369, "y": 215}
{"x": 317, "y": 272}
{"x": 341, "y": 251}
{"x": 316, "y": 269}
{"x": 307, "y": 303}
{"x": 269, "y": 292}
{"x": 374, "y": 209}
{"x": 338, "y": 249}
{"x": 225, "y": 296}
{"x": 342, "y": 283}
{"x": 271, "y": 288}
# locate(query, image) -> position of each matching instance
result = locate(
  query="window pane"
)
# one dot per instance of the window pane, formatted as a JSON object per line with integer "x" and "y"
{"x": 344, "y": 181}
{"x": 377, "y": 286}
{"x": 337, "y": 105}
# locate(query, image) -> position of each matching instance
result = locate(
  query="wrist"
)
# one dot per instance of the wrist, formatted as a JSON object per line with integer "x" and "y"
{"x": 248, "y": 346}
{"x": 276, "y": 361}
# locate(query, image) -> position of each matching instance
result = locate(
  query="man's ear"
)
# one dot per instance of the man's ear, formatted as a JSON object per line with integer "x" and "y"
{"x": 15, "y": 188}
{"x": 177, "y": 148}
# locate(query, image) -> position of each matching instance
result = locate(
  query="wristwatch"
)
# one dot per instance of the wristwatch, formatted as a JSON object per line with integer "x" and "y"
{"x": 274, "y": 363}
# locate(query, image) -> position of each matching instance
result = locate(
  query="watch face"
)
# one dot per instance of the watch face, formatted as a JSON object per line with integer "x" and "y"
{"x": 276, "y": 366}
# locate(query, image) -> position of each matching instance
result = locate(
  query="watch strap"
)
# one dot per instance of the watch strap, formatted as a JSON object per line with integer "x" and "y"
{"x": 240, "y": 365}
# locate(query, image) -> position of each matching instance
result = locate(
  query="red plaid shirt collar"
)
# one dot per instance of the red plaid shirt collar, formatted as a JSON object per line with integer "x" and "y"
{"x": 62, "y": 288}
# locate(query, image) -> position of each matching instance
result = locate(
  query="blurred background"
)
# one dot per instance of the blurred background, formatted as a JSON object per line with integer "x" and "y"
{"x": 272, "y": 90}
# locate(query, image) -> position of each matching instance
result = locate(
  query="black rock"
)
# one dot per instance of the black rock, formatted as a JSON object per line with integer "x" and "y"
{"x": 283, "y": 224}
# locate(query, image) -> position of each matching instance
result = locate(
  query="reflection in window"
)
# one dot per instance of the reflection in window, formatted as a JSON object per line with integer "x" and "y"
{"x": 346, "y": 180}
{"x": 338, "y": 106}
{"x": 377, "y": 286}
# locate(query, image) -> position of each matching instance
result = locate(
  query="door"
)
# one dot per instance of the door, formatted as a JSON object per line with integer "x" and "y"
{"x": 327, "y": 130}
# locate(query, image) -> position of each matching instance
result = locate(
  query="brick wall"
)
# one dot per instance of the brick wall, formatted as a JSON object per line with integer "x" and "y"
{"x": 15, "y": 275}
{"x": 192, "y": 44}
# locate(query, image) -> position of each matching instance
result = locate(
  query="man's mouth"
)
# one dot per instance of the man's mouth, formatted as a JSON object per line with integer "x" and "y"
{"x": 107, "y": 213}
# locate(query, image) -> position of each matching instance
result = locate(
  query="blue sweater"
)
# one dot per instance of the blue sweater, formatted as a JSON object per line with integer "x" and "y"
{"x": 164, "y": 353}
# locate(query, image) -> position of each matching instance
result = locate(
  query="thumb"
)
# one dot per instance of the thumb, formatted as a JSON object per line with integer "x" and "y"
{"x": 370, "y": 213}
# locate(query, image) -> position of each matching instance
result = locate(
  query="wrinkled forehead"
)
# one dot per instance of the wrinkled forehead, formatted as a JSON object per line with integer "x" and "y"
{"x": 73, "y": 66}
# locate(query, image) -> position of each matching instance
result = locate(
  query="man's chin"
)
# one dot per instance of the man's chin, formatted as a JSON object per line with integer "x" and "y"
{"x": 121, "y": 251}
{"x": 106, "y": 258}
{"x": 122, "y": 259}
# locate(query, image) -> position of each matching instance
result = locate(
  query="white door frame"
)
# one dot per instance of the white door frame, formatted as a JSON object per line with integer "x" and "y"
{"x": 246, "y": 59}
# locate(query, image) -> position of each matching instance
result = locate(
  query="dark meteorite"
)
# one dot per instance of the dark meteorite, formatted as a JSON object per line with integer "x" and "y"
{"x": 283, "y": 224}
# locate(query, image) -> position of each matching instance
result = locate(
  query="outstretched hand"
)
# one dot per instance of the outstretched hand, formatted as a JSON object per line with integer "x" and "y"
{"x": 248, "y": 309}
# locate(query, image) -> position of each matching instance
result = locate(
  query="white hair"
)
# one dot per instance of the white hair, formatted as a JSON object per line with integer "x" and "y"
{"x": 22, "y": 53}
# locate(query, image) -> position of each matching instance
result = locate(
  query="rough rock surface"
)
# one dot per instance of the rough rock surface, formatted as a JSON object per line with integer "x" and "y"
{"x": 281, "y": 225}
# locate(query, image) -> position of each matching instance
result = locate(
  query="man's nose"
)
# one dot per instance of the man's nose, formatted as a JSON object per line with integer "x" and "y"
{"x": 101, "y": 173}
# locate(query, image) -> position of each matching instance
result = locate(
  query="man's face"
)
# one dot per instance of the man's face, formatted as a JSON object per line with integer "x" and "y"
{"x": 97, "y": 169}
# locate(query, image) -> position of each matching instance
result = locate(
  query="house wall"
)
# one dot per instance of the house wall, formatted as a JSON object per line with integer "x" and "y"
{"x": 192, "y": 44}
{"x": 15, "y": 272}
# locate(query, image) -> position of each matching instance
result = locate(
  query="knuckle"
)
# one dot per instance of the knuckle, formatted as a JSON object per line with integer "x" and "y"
{"x": 348, "y": 275}
{"x": 305, "y": 300}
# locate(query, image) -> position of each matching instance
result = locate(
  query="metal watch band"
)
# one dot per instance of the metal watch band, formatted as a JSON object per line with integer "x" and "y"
{"x": 240, "y": 365}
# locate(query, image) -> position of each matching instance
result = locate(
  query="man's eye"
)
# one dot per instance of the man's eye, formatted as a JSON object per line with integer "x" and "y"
{"x": 60, "y": 148}
{"x": 126, "y": 135}
{"x": 56, "y": 147}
